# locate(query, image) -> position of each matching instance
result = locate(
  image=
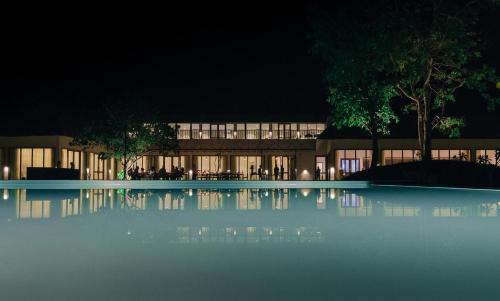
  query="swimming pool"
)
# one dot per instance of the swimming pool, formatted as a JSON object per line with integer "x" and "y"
{"x": 380, "y": 243}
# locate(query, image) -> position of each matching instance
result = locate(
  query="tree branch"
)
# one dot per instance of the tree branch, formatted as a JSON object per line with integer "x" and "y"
{"x": 406, "y": 94}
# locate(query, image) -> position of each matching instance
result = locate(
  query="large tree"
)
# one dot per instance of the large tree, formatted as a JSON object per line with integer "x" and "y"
{"x": 359, "y": 95}
{"x": 436, "y": 50}
{"x": 125, "y": 134}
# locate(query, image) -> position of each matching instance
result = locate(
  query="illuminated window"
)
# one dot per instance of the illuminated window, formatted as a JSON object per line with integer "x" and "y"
{"x": 320, "y": 171}
{"x": 196, "y": 131}
{"x": 488, "y": 156}
{"x": 70, "y": 156}
{"x": 210, "y": 164}
{"x": 353, "y": 160}
{"x": 266, "y": 132}
{"x": 395, "y": 156}
{"x": 280, "y": 167}
{"x": 205, "y": 131}
{"x": 32, "y": 157}
{"x": 171, "y": 162}
{"x": 183, "y": 131}
{"x": 450, "y": 154}
{"x": 230, "y": 131}
{"x": 240, "y": 131}
{"x": 253, "y": 131}
{"x": 248, "y": 166}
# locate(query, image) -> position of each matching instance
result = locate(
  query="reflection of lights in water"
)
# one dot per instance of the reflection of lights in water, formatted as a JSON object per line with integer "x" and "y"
{"x": 109, "y": 193}
{"x": 332, "y": 194}
{"x": 5, "y": 194}
{"x": 199, "y": 232}
{"x": 228, "y": 195}
{"x": 351, "y": 200}
{"x": 234, "y": 233}
{"x": 190, "y": 192}
{"x": 305, "y": 192}
{"x": 87, "y": 195}
{"x": 298, "y": 233}
{"x": 129, "y": 232}
{"x": 266, "y": 193}
{"x": 270, "y": 232}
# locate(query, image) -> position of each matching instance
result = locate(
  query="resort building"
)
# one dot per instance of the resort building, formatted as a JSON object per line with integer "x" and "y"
{"x": 281, "y": 150}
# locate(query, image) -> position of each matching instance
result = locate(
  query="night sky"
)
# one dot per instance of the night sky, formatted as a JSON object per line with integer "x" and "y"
{"x": 59, "y": 64}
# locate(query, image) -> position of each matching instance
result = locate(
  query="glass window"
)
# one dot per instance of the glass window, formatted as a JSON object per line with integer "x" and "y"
{"x": 279, "y": 167}
{"x": 488, "y": 156}
{"x": 195, "y": 131}
{"x": 253, "y": 131}
{"x": 349, "y": 161}
{"x": 320, "y": 171}
{"x": 222, "y": 131}
{"x": 214, "y": 132}
{"x": 206, "y": 165}
{"x": 205, "y": 131}
{"x": 240, "y": 131}
{"x": 396, "y": 156}
{"x": 274, "y": 131}
{"x": 32, "y": 157}
{"x": 248, "y": 167}
{"x": 266, "y": 133}
{"x": 230, "y": 131}
{"x": 183, "y": 130}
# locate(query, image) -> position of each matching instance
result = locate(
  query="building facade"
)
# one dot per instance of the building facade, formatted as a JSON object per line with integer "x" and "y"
{"x": 298, "y": 150}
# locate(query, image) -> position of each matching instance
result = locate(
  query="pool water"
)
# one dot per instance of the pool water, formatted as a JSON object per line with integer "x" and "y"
{"x": 278, "y": 244}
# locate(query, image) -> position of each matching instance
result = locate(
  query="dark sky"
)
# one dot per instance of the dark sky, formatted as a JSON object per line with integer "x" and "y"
{"x": 58, "y": 64}
{"x": 187, "y": 60}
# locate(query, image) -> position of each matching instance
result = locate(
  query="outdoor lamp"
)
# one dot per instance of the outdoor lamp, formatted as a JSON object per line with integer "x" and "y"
{"x": 6, "y": 173}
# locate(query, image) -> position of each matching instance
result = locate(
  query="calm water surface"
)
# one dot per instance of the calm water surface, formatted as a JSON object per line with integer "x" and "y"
{"x": 367, "y": 244}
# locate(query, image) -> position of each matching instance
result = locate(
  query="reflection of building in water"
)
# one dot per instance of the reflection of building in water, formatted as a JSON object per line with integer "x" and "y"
{"x": 351, "y": 204}
{"x": 34, "y": 209}
{"x": 248, "y": 199}
{"x": 450, "y": 211}
{"x": 279, "y": 199}
{"x": 171, "y": 201}
{"x": 398, "y": 209}
{"x": 204, "y": 234}
{"x": 209, "y": 201}
{"x": 489, "y": 209}
{"x": 99, "y": 199}
{"x": 321, "y": 198}
{"x": 72, "y": 206}
{"x": 37, "y": 205}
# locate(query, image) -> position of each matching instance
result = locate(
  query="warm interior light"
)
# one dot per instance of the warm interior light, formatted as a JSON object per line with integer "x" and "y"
{"x": 6, "y": 173}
